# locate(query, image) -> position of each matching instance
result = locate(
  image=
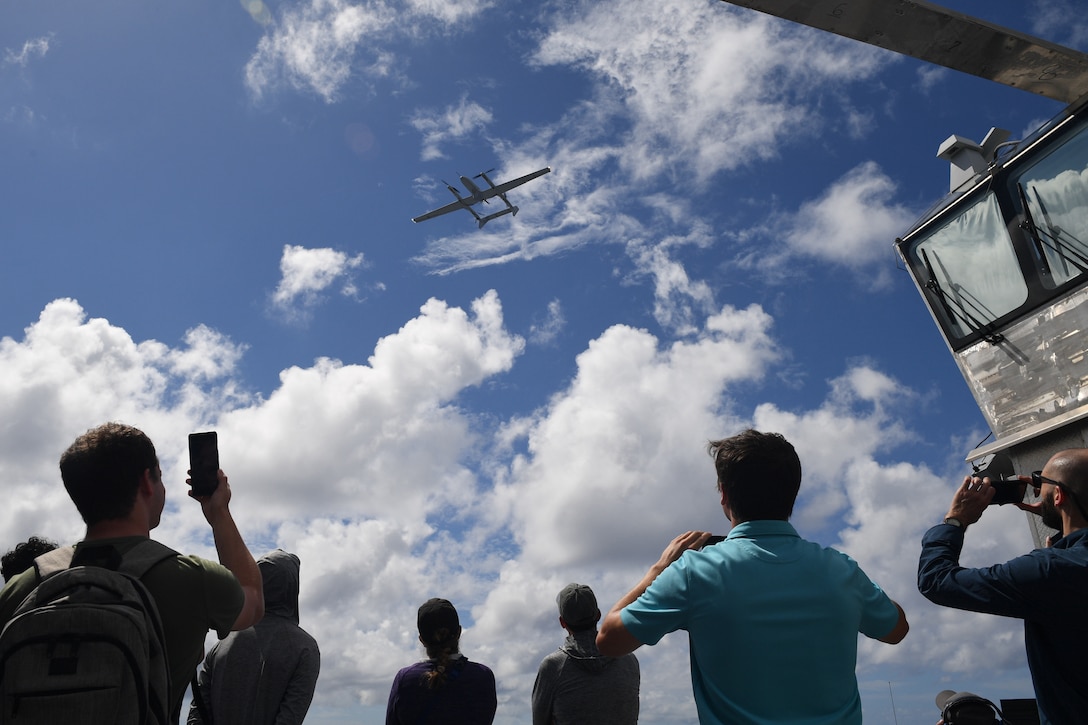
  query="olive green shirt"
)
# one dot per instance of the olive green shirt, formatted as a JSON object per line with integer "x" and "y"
{"x": 193, "y": 595}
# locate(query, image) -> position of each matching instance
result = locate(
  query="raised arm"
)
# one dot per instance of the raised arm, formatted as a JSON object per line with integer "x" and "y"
{"x": 613, "y": 639}
{"x": 233, "y": 553}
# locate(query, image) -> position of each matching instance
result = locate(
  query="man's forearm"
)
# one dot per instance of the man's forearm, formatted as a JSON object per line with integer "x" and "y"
{"x": 613, "y": 639}
{"x": 640, "y": 588}
{"x": 1002, "y": 589}
{"x": 234, "y": 555}
{"x": 899, "y": 631}
{"x": 940, "y": 556}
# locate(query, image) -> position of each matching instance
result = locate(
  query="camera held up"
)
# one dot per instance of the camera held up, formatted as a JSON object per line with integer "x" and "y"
{"x": 1008, "y": 488}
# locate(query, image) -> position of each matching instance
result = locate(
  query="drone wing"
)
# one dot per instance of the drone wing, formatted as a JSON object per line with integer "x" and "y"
{"x": 452, "y": 206}
{"x": 500, "y": 189}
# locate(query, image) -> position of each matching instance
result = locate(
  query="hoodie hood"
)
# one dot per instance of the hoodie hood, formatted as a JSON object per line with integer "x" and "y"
{"x": 280, "y": 573}
{"x": 581, "y": 648}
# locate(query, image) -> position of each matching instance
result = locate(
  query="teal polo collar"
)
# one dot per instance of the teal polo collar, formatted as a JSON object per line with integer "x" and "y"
{"x": 766, "y": 527}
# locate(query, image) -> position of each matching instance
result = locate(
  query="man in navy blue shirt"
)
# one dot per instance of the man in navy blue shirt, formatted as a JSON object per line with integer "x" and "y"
{"x": 1047, "y": 588}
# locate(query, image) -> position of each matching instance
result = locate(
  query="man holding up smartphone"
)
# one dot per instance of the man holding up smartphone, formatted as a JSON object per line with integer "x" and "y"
{"x": 772, "y": 619}
{"x": 113, "y": 477}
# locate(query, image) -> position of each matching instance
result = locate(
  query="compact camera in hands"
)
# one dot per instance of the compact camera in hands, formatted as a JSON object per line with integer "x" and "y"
{"x": 997, "y": 467}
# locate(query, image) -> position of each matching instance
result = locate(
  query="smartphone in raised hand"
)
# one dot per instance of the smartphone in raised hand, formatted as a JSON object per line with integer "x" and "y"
{"x": 204, "y": 463}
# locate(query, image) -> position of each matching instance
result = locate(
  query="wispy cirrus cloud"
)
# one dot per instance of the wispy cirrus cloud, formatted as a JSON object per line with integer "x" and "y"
{"x": 319, "y": 46}
{"x": 32, "y": 49}
{"x": 455, "y": 123}
{"x": 710, "y": 86}
{"x": 681, "y": 95}
{"x": 1062, "y": 21}
{"x": 313, "y": 47}
{"x": 547, "y": 330}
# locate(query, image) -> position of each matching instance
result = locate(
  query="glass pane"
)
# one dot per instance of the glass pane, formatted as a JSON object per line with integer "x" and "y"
{"x": 1056, "y": 190}
{"x": 969, "y": 263}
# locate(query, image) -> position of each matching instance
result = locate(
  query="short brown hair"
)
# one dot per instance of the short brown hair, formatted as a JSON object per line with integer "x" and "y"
{"x": 101, "y": 470}
{"x": 760, "y": 473}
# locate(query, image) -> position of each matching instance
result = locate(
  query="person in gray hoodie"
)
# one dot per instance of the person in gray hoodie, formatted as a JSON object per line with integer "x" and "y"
{"x": 576, "y": 683}
{"x": 264, "y": 675}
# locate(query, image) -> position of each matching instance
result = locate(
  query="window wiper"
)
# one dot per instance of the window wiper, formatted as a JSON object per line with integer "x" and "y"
{"x": 1065, "y": 250}
{"x": 960, "y": 311}
{"x": 1029, "y": 226}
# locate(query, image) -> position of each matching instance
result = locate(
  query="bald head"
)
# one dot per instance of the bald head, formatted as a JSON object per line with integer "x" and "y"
{"x": 1071, "y": 468}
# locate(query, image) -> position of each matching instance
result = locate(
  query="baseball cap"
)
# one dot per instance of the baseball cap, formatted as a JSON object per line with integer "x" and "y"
{"x": 577, "y": 605}
{"x": 434, "y": 616}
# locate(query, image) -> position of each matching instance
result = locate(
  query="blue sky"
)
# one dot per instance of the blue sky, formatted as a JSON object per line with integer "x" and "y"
{"x": 205, "y": 222}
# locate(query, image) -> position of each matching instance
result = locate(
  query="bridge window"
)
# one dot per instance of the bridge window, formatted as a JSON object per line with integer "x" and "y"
{"x": 1056, "y": 192}
{"x": 970, "y": 269}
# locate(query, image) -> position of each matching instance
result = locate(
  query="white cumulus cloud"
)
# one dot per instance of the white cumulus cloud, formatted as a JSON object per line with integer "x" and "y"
{"x": 392, "y": 489}
{"x": 853, "y": 222}
{"x": 307, "y": 273}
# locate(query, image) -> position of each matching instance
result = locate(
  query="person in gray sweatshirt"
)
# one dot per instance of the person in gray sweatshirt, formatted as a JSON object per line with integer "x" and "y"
{"x": 576, "y": 683}
{"x": 264, "y": 675}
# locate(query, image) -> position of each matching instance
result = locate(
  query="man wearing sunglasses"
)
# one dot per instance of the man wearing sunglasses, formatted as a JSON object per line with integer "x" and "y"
{"x": 1047, "y": 588}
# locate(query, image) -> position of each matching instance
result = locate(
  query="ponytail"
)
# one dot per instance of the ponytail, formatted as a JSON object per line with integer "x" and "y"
{"x": 440, "y": 652}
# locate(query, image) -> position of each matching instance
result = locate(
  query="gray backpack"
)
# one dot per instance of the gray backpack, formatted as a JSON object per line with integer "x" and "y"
{"x": 87, "y": 646}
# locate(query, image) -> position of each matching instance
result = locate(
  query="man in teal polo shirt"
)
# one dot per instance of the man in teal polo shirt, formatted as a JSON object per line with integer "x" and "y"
{"x": 772, "y": 619}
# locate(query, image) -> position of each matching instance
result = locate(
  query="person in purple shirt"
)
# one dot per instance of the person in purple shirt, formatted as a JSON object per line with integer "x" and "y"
{"x": 446, "y": 687}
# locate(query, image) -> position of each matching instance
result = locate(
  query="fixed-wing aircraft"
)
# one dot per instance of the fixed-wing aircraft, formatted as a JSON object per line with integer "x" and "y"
{"x": 476, "y": 195}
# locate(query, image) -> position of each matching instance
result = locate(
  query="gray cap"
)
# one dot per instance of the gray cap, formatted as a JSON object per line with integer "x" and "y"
{"x": 578, "y": 606}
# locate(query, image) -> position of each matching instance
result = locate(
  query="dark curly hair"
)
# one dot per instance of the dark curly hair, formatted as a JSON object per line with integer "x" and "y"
{"x": 23, "y": 555}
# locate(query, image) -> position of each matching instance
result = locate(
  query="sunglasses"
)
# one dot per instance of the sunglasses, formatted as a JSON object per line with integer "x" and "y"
{"x": 1038, "y": 479}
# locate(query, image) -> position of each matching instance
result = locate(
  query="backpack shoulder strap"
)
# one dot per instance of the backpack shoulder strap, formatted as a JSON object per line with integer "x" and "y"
{"x": 146, "y": 554}
{"x": 137, "y": 562}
